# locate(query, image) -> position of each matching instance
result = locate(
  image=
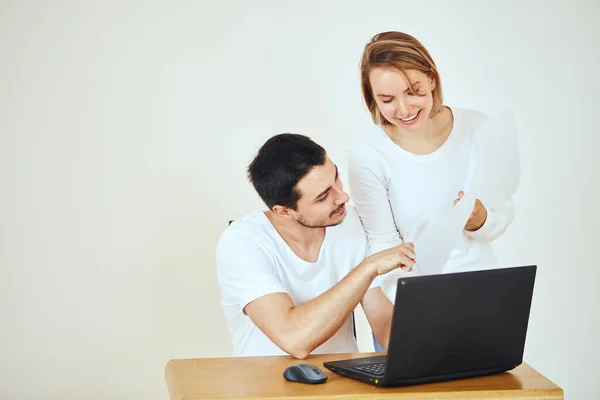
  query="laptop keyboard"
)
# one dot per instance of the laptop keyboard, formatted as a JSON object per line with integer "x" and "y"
{"x": 372, "y": 369}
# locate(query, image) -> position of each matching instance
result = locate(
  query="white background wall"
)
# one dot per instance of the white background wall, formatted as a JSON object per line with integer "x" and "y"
{"x": 126, "y": 127}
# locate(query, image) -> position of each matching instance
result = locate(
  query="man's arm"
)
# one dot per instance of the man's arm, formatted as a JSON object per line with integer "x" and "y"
{"x": 378, "y": 310}
{"x": 299, "y": 330}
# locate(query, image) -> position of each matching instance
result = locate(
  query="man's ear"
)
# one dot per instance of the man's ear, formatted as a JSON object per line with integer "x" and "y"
{"x": 282, "y": 211}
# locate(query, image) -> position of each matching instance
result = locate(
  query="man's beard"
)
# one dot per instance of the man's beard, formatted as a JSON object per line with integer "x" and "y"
{"x": 322, "y": 223}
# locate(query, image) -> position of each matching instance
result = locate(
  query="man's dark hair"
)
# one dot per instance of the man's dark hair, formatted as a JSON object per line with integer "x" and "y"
{"x": 280, "y": 163}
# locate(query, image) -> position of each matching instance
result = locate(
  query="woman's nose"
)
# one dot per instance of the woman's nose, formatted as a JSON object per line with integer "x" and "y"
{"x": 402, "y": 108}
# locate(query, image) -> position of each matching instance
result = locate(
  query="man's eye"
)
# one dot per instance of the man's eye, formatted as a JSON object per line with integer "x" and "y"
{"x": 322, "y": 199}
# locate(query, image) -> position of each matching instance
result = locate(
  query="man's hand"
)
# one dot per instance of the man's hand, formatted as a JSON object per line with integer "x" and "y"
{"x": 478, "y": 215}
{"x": 402, "y": 256}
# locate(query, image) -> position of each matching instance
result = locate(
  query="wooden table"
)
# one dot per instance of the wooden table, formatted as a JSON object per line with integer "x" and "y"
{"x": 261, "y": 378}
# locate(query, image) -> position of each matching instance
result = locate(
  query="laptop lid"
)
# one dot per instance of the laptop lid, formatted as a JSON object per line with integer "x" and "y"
{"x": 459, "y": 324}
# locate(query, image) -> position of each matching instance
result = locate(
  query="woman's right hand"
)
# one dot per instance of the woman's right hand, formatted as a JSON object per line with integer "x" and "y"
{"x": 402, "y": 256}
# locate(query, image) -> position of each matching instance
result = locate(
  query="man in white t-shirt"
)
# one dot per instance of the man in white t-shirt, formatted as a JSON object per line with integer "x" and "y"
{"x": 291, "y": 276}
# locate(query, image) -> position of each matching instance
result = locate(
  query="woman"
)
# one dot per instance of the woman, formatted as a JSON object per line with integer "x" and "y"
{"x": 413, "y": 165}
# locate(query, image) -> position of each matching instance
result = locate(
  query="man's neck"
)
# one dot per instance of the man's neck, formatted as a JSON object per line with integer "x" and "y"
{"x": 305, "y": 242}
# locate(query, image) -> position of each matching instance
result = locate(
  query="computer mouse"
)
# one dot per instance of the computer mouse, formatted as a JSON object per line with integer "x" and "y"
{"x": 304, "y": 373}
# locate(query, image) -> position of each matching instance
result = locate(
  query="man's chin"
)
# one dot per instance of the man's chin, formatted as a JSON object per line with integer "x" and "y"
{"x": 326, "y": 224}
{"x": 335, "y": 223}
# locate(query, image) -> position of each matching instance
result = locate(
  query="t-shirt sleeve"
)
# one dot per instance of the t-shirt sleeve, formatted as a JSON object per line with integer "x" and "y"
{"x": 245, "y": 269}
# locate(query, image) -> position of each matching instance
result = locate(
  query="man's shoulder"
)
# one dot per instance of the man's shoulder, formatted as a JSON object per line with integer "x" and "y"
{"x": 352, "y": 214}
{"x": 347, "y": 242}
{"x": 251, "y": 229}
{"x": 351, "y": 228}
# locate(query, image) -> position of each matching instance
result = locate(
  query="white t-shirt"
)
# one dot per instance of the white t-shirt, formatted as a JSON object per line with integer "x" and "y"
{"x": 253, "y": 261}
{"x": 397, "y": 193}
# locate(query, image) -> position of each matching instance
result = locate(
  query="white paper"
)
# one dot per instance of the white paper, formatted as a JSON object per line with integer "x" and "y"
{"x": 494, "y": 178}
{"x": 434, "y": 246}
{"x": 497, "y": 168}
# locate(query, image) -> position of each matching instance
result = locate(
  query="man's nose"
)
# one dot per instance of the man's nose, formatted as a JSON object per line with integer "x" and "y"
{"x": 342, "y": 197}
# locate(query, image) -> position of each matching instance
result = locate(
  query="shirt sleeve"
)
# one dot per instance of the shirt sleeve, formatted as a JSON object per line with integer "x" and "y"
{"x": 368, "y": 191}
{"x": 498, "y": 219}
{"x": 245, "y": 269}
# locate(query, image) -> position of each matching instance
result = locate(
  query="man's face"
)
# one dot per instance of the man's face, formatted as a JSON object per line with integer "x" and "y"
{"x": 322, "y": 197}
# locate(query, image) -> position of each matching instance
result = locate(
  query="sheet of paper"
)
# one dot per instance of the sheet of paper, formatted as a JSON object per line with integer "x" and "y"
{"x": 497, "y": 170}
{"x": 494, "y": 178}
{"x": 435, "y": 244}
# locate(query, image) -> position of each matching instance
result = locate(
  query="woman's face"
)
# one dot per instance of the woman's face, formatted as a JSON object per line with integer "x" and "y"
{"x": 397, "y": 103}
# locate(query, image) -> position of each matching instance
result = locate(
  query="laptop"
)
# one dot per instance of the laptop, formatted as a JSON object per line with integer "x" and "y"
{"x": 451, "y": 326}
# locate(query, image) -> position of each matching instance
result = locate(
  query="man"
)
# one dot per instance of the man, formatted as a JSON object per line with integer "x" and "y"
{"x": 290, "y": 277}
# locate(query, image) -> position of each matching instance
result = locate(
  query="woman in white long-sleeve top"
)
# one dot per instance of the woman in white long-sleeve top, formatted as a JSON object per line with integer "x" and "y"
{"x": 412, "y": 166}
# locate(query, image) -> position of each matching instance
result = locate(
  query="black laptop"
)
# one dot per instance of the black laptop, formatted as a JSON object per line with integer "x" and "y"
{"x": 451, "y": 326}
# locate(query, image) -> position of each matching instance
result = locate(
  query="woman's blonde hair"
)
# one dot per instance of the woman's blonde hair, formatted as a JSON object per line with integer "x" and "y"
{"x": 401, "y": 52}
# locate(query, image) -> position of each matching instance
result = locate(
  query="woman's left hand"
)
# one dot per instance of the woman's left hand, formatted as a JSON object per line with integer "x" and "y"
{"x": 478, "y": 215}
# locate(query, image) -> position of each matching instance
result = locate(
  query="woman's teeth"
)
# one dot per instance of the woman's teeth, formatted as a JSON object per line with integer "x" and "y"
{"x": 409, "y": 118}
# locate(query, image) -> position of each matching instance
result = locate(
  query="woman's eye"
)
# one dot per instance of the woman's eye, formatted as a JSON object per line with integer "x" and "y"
{"x": 387, "y": 101}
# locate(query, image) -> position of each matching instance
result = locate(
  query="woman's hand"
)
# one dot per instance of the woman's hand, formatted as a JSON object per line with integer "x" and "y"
{"x": 478, "y": 215}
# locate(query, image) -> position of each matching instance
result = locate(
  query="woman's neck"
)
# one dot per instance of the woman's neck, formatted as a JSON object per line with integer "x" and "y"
{"x": 428, "y": 138}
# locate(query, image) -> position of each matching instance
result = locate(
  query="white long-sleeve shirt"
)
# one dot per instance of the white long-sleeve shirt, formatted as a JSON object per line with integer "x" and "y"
{"x": 397, "y": 193}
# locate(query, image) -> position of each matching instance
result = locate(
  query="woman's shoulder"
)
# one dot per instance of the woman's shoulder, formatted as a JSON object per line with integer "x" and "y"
{"x": 369, "y": 141}
{"x": 469, "y": 118}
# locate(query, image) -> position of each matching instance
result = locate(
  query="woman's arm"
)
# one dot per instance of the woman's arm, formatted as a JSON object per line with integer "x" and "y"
{"x": 498, "y": 219}
{"x": 369, "y": 193}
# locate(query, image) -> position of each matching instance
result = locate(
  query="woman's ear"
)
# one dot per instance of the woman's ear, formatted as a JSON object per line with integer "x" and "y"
{"x": 432, "y": 81}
